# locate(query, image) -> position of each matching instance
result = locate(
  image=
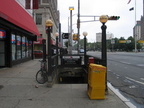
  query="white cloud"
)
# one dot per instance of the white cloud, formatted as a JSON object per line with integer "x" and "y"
{"x": 122, "y": 27}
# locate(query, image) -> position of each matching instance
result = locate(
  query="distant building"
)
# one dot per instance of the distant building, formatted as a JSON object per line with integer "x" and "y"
{"x": 99, "y": 36}
{"x": 142, "y": 28}
{"x": 137, "y": 30}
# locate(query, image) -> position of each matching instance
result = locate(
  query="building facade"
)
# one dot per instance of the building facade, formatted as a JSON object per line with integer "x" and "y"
{"x": 17, "y": 33}
{"x": 99, "y": 36}
{"x": 47, "y": 9}
{"x": 142, "y": 28}
{"x": 137, "y": 30}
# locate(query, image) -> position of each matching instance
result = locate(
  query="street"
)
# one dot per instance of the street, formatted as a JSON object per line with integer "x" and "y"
{"x": 126, "y": 73}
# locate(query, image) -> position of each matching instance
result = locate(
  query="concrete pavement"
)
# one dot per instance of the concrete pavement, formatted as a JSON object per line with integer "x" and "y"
{"x": 19, "y": 89}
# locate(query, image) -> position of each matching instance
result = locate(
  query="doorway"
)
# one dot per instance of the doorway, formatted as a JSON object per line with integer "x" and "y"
{"x": 2, "y": 53}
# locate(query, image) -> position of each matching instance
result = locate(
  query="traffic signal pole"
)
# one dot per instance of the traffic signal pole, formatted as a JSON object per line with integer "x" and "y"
{"x": 78, "y": 26}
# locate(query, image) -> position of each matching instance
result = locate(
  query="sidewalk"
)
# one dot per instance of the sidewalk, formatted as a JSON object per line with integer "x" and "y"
{"x": 17, "y": 90}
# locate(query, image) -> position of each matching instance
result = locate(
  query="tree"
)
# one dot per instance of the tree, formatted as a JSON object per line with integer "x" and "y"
{"x": 81, "y": 43}
{"x": 130, "y": 44}
{"x": 98, "y": 46}
{"x": 66, "y": 43}
{"x": 121, "y": 46}
{"x": 116, "y": 44}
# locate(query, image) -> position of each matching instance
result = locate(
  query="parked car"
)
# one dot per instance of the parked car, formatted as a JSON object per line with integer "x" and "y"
{"x": 38, "y": 53}
{"x": 81, "y": 50}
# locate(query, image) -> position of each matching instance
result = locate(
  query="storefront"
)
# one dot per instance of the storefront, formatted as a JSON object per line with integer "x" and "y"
{"x": 17, "y": 33}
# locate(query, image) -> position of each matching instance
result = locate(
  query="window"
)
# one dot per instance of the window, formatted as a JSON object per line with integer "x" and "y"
{"x": 26, "y": 48}
{"x": 18, "y": 43}
{"x": 13, "y": 42}
{"x": 38, "y": 19}
{"x": 23, "y": 47}
{"x": 29, "y": 48}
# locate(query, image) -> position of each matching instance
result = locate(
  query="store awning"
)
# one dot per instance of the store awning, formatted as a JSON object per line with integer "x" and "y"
{"x": 11, "y": 11}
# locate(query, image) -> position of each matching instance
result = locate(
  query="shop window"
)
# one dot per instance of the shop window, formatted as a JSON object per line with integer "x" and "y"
{"x": 23, "y": 47}
{"x": 18, "y": 43}
{"x": 13, "y": 42}
{"x": 2, "y": 33}
{"x": 29, "y": 48}
{"x": 26, "y": 48}
{"x": 38, "y": 18}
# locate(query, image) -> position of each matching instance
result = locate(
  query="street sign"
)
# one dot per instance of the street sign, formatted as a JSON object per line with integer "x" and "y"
{"x": 112, "y": 41}
{"x": 128, "y": 41}
{"x": 122, "y": 41}
{"x": 125, "y": 41}
{"x": 65, "y": 35}
{"x": 140, "y": 41}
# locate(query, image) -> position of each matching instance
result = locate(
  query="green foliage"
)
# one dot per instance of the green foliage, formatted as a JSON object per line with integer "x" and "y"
{"x": 66, "y": 43}
{"x": 129, "y": 44}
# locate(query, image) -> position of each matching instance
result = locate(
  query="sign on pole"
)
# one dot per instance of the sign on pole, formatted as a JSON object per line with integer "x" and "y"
{"x": 65, "y": 35}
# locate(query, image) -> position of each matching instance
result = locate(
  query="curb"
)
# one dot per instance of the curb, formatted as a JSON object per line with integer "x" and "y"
{"x": 125, "y": 100}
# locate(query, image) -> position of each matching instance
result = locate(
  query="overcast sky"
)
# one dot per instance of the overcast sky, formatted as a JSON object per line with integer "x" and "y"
{"x": 120, "y": 28}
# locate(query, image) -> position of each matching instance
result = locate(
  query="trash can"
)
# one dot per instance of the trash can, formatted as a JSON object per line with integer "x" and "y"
{"x": 96, "y": 81}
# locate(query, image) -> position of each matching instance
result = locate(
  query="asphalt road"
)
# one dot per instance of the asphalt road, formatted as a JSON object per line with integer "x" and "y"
{"x": 126, "y": 73}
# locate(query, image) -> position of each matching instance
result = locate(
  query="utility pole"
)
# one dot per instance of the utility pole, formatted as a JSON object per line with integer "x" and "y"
{"x": 78, "y": 26}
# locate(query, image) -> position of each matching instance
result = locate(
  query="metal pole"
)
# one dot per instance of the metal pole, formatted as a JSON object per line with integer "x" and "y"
{"x": 70, "y": 44}
{"x": 68, "y": 24}
{"x": 57, "y": 49}
{"x": 60, "y": 37}
{"x": 78, "y": 26}
{"x": 85, "y": 51}
{"x": 135, "y": 35}
{"x": 49, "y": 54}
{"x": 44, "y": 49}
{"x": 104, "y": 50}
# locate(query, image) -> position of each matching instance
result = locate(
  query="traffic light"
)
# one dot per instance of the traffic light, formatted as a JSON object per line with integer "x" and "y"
{"x": 113, "y": 18}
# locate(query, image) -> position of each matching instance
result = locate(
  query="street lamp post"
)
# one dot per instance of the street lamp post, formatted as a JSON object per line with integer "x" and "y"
{"x": 103, "y": 20}
{"x": 44, "y": 49}
{"x": 85, "y": 34}
{"x": 57, "y": 34}
{"x": 49, "y": 25}
{"x": 70, "y": 37}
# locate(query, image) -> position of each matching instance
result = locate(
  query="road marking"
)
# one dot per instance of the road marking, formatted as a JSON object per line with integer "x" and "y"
{"x": 125, "y": 62}
{"x": 142, "y": 78}
{"x": 135, "y": 80}
{"x": 140, "y": 64}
